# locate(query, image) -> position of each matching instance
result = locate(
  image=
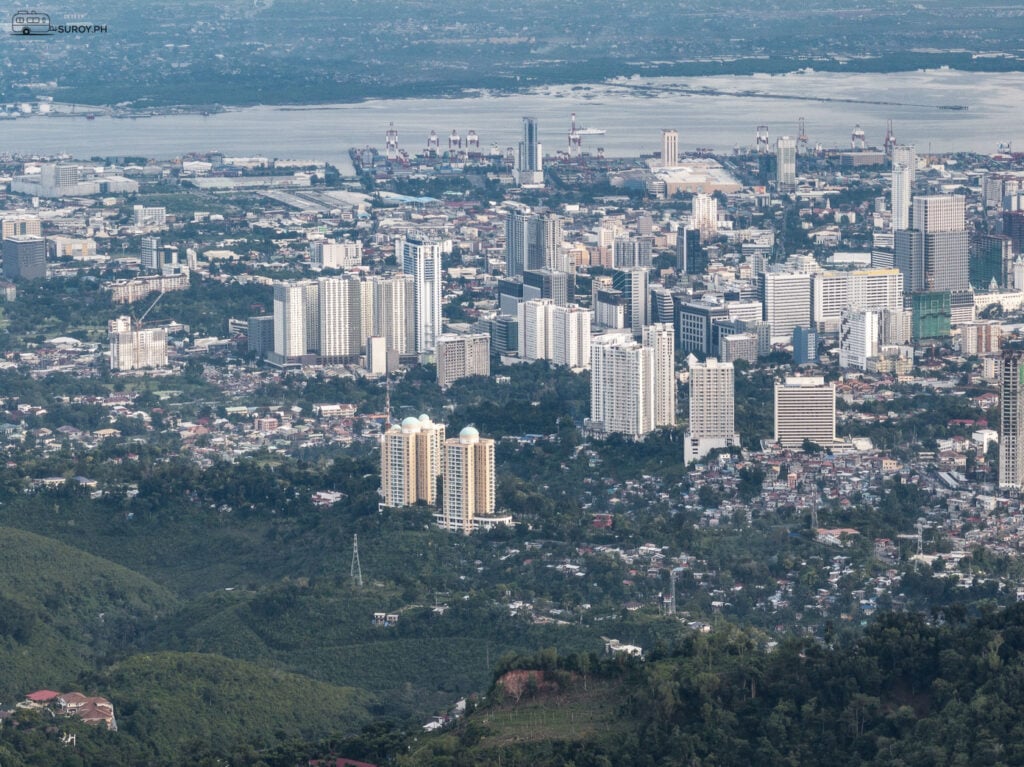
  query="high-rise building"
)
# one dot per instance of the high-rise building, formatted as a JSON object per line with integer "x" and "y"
{"x": 421, "y": 258}
{"x": 461, "y": 356}
{"x": 394, "y": 312}
{"x": 705, "y": 216}
{"x": 902, "y": 185}
{"x": 341, "y": 332}
{"x": 991, "y": 261}
{"x": 945, "y": 242}
{"x": 669, "y": 147}
{"x": 979, "y": 339}
{"x": 661, "y": 338}
{"x": 833, "y": 291}
{"x": 24, "y": 257}
{"x": 805, "y": 408}
{"x": 260, "y": 334}
{"x": 629, "y": 252}
{"x": 786, "y": 298}
{"x": 533, "y": 241}
{"x": 1011, "y": 419}
{"x": 691, "y": 257}
{"x": 469, "y": 490}
{"x": 695, "y": 327}
{"x": 785, "y": 158}
{"x": 411, "y": 461}
{"x": 805, "y": 346}
{"x": 548, "y": 283}
{"x": 633, "y": 284}
{"x": 134, "y": 348}
{"x": 560, "y": 334}
{"x": 712, "y": 421}
{"x": 529, "y": 169}
{"x": 570, "y": 336}
{"x": 621, "y": 386}
{"x": 289, "y": 321}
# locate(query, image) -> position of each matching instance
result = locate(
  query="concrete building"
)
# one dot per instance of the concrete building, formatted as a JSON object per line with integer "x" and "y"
{"x": 290, "y": 322}
{"x": 805, "y": 346}
{"x": 533, "y": 241}
{"x": 833, "y": 292}
{"x": 549, "y": 283}
{"x": 329, "y": 254}
{"x": 24, "y": 257}
{"x": 394, "y": 312}
{"x": 786, "y": 297}
{"x": 461, "y": 356}
{"x": 805, "y": 408}
{"x": 21, "y": 225}
{"x": 906, "y": 155}
{"x": 712, "y": 421}
{"x": 260, "y": 334}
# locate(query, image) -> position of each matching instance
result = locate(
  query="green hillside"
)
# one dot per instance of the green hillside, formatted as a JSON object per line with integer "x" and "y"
{"x": 63, "y": 611}
{"x": 174, "y": 701}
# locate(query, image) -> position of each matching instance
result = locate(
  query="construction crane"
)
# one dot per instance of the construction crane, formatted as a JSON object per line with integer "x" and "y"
{"x": 137, "y": 323}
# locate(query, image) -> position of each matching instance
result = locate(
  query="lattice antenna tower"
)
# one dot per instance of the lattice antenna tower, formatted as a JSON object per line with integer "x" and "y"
{"x": 356, "y": 571}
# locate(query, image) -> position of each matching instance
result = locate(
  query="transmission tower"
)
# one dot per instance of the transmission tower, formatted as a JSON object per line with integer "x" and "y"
{"x": 356, "y": 571}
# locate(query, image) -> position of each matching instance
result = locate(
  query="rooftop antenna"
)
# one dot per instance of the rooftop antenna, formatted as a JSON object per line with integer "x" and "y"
{"x": 356, "y": 571}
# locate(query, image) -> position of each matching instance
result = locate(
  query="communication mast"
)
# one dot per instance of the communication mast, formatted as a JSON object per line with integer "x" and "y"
{"x": 356, "y": 571}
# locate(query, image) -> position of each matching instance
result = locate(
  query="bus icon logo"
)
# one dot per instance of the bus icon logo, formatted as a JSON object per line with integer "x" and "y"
{"x": 30, "y": 23}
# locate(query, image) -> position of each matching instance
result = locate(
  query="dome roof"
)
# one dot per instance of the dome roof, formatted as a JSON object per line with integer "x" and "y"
{"x": 411, "y": 424}
{"x": 469, "y": 434}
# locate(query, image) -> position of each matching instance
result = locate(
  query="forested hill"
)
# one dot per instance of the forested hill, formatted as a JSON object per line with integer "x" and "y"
{"x": 909, "y": 691}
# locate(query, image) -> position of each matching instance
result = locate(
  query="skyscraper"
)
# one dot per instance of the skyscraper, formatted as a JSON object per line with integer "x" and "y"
{"x": 785, "y": 158}
{"x": 533, "y": 242}
{"x": 289, "y": 321}
{"x": 946, "y": 243}
{"x": 621, "y": 386}
{"x": 661, "y": 338}
{"x": 421, "y": 258}
{"x": 342, "y": 335}
{"x": 902, "y": 184}
{"x": 529, "y": 165}
{"x": 906, "y": 155}
{"x": 805, "y": 408}
{"x": 633, "y": 284}
{"x": 858, "y": 338}
{"x": 669, "y": 147}
{"x": 1011, "y": 413}
{"x": 394, "y": 312}
{"x": 712, "y": 409}
{"x": 468, "y": 481}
